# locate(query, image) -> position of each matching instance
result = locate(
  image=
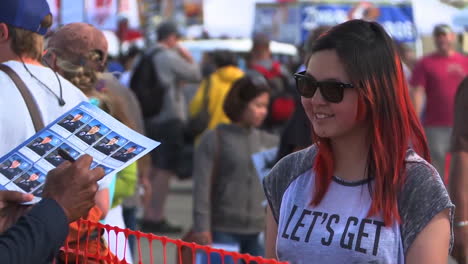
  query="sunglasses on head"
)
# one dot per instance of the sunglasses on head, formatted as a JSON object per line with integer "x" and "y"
{"x": 332, "y": 91}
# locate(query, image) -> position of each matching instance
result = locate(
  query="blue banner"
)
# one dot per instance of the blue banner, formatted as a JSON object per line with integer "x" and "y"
{"x": 279, "y": 22}
{"x": 396, "y": 19}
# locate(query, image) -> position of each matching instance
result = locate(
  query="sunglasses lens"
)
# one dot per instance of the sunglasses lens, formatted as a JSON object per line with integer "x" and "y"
{"x": 332, "y": 92}
{"x": 306, "y": 87}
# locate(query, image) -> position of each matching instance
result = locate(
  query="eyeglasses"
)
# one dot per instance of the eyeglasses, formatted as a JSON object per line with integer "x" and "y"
{"x": 331, "y": 91}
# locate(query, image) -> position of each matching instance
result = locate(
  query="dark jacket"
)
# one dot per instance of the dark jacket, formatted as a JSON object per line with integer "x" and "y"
{"x": 36, "y": 237}
{"x": 232, "y": 202}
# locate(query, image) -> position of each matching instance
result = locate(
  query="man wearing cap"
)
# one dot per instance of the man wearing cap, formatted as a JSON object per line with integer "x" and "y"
{"x": 23, "y": 24}
{"x": 436, "y": 78}
{"x": 173, "y": 64}
{"x": 78, "y": 47}
{"x": 262, "y": 65}
{"x": 37, "y": 236}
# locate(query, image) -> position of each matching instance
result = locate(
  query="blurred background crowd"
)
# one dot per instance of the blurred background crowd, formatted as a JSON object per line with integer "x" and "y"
{"x": 208, "y": 62}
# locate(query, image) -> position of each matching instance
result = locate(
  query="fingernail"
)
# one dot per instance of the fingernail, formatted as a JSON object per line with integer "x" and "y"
{"x": 28, "y": 196}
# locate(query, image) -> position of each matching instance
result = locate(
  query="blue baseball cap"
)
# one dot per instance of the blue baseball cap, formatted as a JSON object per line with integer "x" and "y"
{"x": 25, "y": 14}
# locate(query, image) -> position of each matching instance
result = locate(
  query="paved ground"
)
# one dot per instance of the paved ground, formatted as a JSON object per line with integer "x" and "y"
{"x": 179, "y": 211}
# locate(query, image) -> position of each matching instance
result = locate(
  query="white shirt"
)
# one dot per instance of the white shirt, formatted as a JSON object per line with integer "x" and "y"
{"x": 16, "y": 123}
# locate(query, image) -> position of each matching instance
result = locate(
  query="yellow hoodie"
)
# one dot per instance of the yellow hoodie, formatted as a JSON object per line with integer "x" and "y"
{"x": 221, "y": 81}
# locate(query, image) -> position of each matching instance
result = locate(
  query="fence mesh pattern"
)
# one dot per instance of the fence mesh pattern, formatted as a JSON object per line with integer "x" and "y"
{"x": 85, "y": 244}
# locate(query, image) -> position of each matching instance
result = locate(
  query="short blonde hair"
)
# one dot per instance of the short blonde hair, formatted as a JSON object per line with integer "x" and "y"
{"x": 25, "y": 43}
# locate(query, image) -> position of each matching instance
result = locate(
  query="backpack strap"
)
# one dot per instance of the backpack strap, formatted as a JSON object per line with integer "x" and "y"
{"x": 27, "y": 97}
{"x": 269, "y": 74}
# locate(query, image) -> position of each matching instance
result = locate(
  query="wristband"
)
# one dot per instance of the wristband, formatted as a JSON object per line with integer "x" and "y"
{"x": 461, "y": 223}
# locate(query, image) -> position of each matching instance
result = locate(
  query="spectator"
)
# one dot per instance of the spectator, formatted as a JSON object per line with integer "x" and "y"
{"x": 227, "y": 202}
{"x": 127, "y": 102}
{"x": 436, "y": 78}
{"x": 215, "y": 88}
{"x": 173, "y": 64}
{"x": 364, "y": 167}
{"x": 22, "y": 27}
{"x": 78, "y": 51}
{"x": 261, "y": 63}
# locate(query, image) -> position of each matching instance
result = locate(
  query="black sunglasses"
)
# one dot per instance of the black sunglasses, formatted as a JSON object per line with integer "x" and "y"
{"x": 332, "y": 91}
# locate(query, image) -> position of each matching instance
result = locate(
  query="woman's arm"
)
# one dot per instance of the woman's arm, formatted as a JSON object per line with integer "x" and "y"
{"x": 102, "y": 201}
{"x": 270, "y": 235}
{"x": 431, "y": 245}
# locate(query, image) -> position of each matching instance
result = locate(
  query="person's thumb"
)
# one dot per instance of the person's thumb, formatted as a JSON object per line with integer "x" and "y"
{"x": 15, "y": 197}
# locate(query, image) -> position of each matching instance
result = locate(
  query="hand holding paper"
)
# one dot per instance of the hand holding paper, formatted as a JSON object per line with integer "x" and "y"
{"x": 82, "y": 131}
{"x": 11, "y": 207}
{"x": 73, "y": 186}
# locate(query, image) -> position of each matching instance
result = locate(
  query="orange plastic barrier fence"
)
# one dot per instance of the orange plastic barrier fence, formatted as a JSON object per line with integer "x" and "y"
{"x": 91, "y": 248}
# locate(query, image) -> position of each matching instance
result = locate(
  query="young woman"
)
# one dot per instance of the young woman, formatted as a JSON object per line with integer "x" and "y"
{"x": 365, "y": 192}
{"x": 227, "y": 192}
{"x": 78, "y": 52}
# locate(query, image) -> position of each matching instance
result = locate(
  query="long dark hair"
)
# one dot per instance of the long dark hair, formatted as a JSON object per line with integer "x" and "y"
{"x": 374, "y": 67}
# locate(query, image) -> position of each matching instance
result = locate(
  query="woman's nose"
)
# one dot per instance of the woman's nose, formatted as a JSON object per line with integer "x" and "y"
{"x": 317, "y": 98}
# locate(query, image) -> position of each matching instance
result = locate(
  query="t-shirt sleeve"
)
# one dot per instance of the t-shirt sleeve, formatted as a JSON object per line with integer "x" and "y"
{"x": 460, "y": 126}
{"x": 423, "y": 197}
{"x": 418, "y": 77}
{"x": 272, "y": 186}
{"x": 282, "y": 174}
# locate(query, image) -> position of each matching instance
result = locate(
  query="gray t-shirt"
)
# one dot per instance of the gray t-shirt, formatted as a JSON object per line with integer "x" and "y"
{"x": 339, "y": 230}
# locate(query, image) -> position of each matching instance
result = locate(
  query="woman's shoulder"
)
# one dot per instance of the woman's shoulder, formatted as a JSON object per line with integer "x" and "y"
{"x": 284, "y": 173}
{"x": 298, "y": 161}
{"x": 418, "y": 167}
{"x": 289, "y": 168}
{"x": 422, "y": 180}
{"x": 422, "y": 197}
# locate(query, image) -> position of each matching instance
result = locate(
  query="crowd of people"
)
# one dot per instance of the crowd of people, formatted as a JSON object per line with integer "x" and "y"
{"x": 363, "y": 133}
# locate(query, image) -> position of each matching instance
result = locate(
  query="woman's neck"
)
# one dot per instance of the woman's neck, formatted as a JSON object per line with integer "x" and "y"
{"x": 350, "y": 155}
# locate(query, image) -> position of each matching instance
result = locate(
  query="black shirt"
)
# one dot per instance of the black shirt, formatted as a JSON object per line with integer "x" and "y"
{"x": 37, "y": 236}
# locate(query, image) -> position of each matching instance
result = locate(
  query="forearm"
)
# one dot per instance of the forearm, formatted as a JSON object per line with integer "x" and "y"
{"x": 271, "y": 232}
{"x": 459, "y": 185}
{"x": 185, "y": 71}
{"x": 102, "y": 202}
{"x": 418, "y": 97}
{"x": 37, "y": 236}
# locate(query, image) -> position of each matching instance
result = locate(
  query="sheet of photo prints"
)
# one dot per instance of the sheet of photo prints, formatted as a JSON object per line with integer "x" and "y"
{"x": 85, "y": 129}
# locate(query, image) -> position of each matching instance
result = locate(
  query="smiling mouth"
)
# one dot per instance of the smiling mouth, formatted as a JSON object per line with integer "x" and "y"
{"x": 321, "y": 116}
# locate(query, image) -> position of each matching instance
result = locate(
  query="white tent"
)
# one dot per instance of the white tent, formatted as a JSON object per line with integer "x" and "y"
{"x": 428, "y": 13}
